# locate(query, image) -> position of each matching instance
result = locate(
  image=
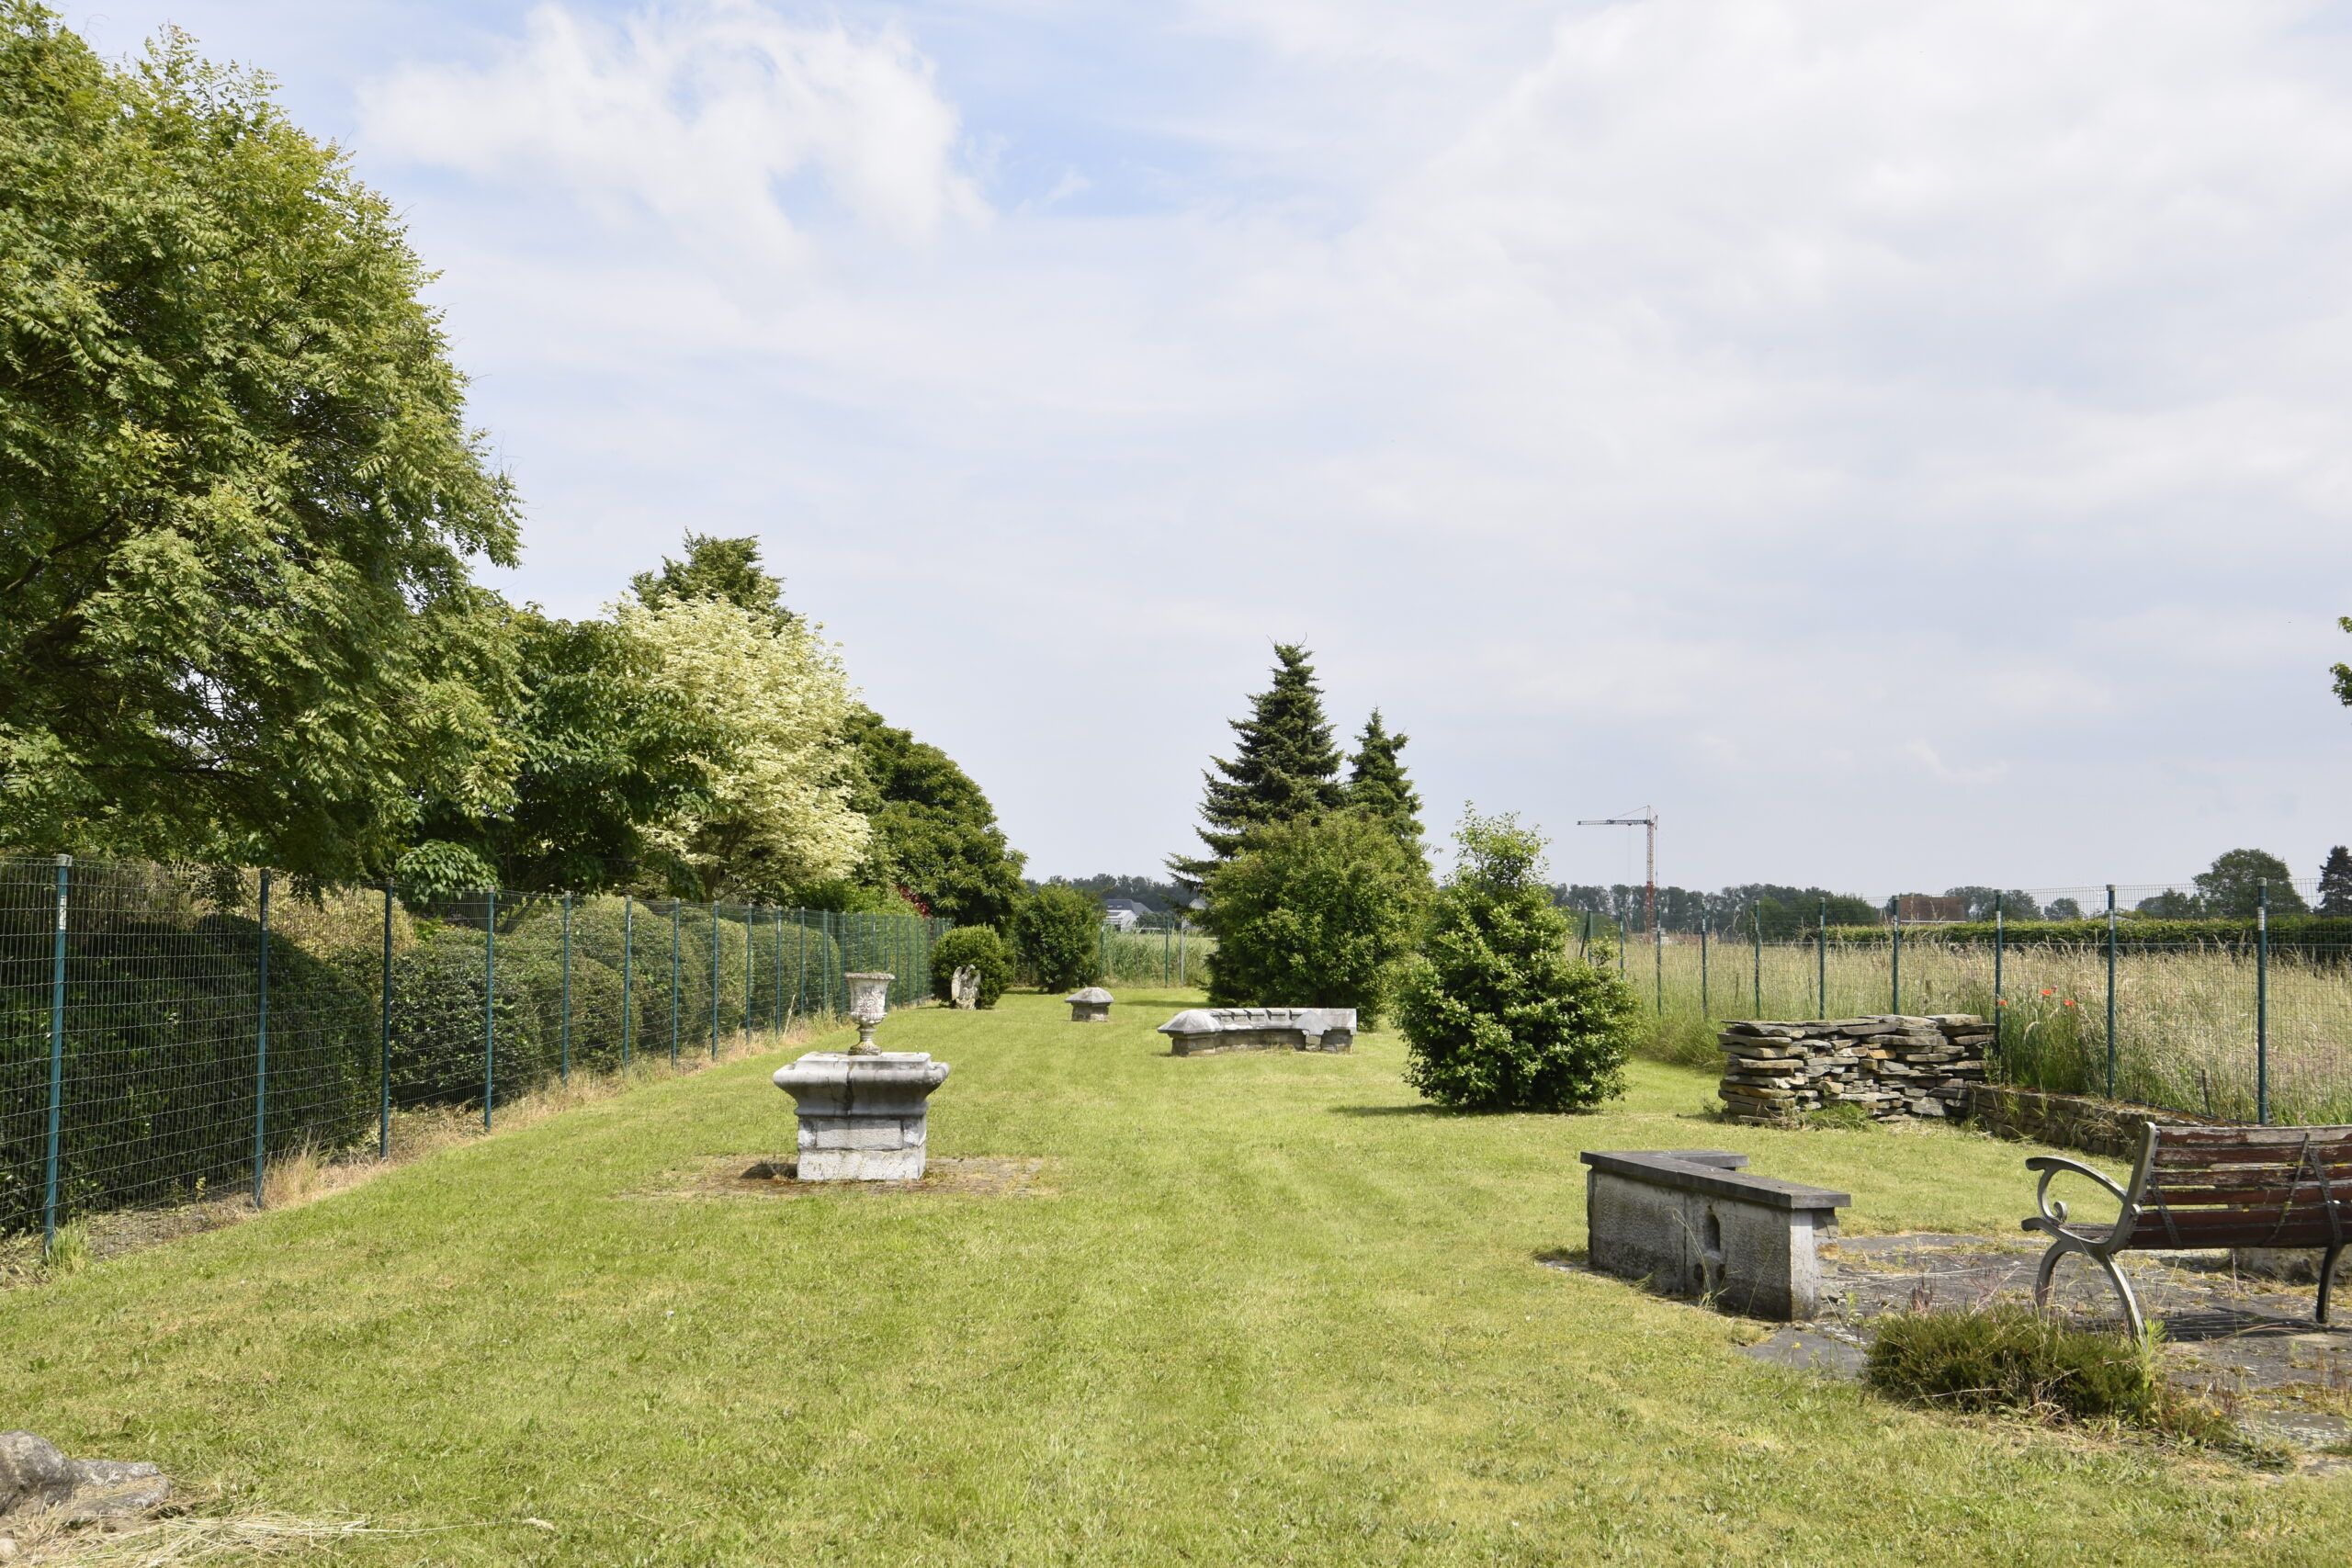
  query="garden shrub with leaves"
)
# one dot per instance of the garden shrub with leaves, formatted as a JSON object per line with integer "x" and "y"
{"x": 979, "y": 946}
{"x": 2010, "y": 1359}
{"x": 1058, "y": 937}
{"x": 1495, "y": 1014}
{"x": 1313, "y": 912}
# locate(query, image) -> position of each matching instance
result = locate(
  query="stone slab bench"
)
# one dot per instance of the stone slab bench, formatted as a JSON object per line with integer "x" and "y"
{"x": 1695, "y": 1222}
{"x": 1201, "y": 1031}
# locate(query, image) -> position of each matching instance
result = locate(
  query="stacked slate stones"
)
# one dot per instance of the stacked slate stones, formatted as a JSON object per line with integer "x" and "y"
{"x": 1891, "y": 1066}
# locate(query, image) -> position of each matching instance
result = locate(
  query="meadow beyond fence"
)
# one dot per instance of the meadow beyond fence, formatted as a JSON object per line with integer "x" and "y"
{"x": 167, "y": 1031}
{"x": 2238, "y": 1016}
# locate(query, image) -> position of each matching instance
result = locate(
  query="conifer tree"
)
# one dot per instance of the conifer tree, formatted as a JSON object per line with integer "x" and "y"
{"x": 2336, "y": 883}
{"x": 1377, "y": 783}
{"x": 1286, "y": 768}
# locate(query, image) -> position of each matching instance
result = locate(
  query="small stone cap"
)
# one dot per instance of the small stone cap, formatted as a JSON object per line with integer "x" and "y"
{"x": 1192, "y": 1021}
{"x": 1091, "y": 994}
{"x": 870, "y": 975}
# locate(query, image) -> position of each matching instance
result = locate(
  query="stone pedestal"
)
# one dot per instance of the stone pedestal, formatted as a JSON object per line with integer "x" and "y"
{"x": 862, "y": 1118}
{"x": 1092, "y": 1005}
{"x": 1693, "y": 1223}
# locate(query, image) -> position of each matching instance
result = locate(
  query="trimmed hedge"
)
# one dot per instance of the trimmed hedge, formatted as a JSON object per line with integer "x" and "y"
{"x": 2308, "y": 933}
{"x": 979, "y": 946}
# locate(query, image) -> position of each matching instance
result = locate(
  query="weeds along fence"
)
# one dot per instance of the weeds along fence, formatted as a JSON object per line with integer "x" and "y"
{"x": 2243, "y": 1016}
{"x": 166, "y": 1031}
{"x": 1155, "y": 957}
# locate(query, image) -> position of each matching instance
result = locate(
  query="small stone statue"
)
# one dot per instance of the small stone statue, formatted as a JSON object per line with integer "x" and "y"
{"x": 965, "y": 989}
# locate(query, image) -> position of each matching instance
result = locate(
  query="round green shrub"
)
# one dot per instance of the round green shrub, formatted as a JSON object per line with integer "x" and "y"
{"x": 1313, "y": 912}
{"x": 1058, "y": 937}
{"x": 979, "y": 946}
{"x": 1496, "y": 1015}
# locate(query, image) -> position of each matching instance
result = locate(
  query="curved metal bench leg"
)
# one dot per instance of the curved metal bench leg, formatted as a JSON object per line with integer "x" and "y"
{"x": 2132, "y": 1318}
{"x": 2041, "y": 1276}
{"x": 2327, "y": 1280}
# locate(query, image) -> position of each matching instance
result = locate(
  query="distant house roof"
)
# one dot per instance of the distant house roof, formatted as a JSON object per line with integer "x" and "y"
{"x": 1129, "y": 905}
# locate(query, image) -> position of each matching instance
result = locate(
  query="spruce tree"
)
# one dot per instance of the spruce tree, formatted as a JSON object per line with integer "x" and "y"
{"x": 2336, "y": 883}
{"x": 1377, "y": 783}
{"x": 1286, "y": 768}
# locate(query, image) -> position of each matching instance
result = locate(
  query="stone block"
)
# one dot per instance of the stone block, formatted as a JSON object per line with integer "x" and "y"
{"x": 1693, "y": 1223}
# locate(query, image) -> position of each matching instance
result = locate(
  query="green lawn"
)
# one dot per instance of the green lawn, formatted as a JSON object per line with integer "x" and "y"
{"x": 1272, "y": 1311}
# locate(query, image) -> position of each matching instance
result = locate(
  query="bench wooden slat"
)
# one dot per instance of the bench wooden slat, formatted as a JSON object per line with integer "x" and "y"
{"x": 2326, "y": 1155}
{"x": 2151, "y": 1236}
{"x": 2251, "y": 1179}
{"x": 2178, "y": 1142}
{"x": 2268, "y": 1200}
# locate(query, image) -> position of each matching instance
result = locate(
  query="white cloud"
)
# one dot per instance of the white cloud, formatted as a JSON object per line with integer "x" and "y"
{"x": 700, "y": 116}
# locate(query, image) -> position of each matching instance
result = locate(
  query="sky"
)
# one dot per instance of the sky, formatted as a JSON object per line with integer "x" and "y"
{"x": 1905, "y": 446}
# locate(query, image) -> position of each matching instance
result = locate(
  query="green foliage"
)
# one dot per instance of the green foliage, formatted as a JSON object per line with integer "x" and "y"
{"x": 1058, "y": 937}
{"x": 437, "y": 870}
{"x": 715, "y": 568}
{"x": 1377, "y": 783}
{"x": 1496, "y": 1015}
{"x": 2233, "y": 885}
{"x": 158, "y": 1102}
{"x": 1287, "y": 766}
{"x": 608, "y": 756}
{"x": 935, "y": 835}
{"x": 1314, "y": 912}
{"x": 439, "y": 1017}
{"x": 2011, "y": 1358}
{"x": 979, "y": 946}
{"x": 238, "y": 498}
{"x": 2320, "y": 934}
{"x": 2336, "y": 883}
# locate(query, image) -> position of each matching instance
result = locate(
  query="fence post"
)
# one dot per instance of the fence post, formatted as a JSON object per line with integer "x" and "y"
{"x": 56, "y": 1058}
{"x": 1657, "y": 965}
{"x": 2111, "y": 990}
{"x": 1704, "y": 1008}
{"x": 1183, "y": 928}
{"x": 1167, "y": 954}
{"x": 1821, "y": 960}
{"x": 800, "y": 970}
{"x": 675, "y": 909}
{"x": 489, "y": 1006}
{"x": 567, "y": 988}
{"x": 1895, "y": 964}
{"x": 261, "y": 1049}
{"x": 2262, "y": 1002}
{"x": 384, "y": 1041}
{"x": 1584, "y": 935}
{"x": 778, "y": 1031}
{"x": 1756, "y": 918}
{"x": 713, "y": 981}
{"x": 628, "y": 950}
{"x": 2000, "y": 940}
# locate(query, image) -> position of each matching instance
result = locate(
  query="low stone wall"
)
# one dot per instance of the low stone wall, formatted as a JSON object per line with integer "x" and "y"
{"x": 2066, "y": 1120}
{"x": 1890, "y": 1065}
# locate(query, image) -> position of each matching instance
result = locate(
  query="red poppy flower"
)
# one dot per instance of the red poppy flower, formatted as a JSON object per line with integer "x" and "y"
{"x": 2068, "y": 1002}
{"x": 2048, "y": 992}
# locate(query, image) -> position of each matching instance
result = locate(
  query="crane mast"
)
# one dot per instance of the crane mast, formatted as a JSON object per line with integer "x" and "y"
{"x": 1647, "y": 820}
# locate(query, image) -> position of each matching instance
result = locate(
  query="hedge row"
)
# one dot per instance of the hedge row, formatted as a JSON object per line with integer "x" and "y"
{"x": 2301, "y": 932}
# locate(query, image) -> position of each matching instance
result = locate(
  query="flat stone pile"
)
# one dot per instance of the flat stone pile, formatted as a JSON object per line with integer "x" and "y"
{"x": 1893, "y": 1065}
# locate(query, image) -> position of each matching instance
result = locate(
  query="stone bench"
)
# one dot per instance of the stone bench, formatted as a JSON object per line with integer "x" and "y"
{"x": 1693, "y": 1223}
{"x": 1202, "y": 1032}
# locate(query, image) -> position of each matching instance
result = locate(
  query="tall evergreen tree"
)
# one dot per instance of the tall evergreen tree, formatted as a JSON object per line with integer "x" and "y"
{"x": 2336, "y": 883}
{"x": 715, "y": 568}
{"x": 1286, "y": 767}
{"x": 1377, "y": 783}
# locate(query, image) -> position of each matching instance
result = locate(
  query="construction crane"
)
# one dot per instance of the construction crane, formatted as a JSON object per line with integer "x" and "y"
{"x": 1648, "y": 818}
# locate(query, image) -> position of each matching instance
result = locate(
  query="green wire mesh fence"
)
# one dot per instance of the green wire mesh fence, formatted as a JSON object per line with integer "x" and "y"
{"x": 167, "y": 1033}
{"x": 2234, "y": 1005}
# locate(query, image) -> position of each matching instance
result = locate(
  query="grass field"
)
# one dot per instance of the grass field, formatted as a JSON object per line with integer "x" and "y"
{"x": 1269, "y": 1309}
{"x": 2186, "y": 1016}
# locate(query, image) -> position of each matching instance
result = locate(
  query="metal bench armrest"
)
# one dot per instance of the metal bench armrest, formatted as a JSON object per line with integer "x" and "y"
{"x": 2053, "y": 1213}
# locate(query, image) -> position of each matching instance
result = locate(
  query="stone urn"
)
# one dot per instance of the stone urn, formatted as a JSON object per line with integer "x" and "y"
{"x": 869, "y": 1000}
{"x": 863, "y": 1118}
{"x": 1092, "y": 1005}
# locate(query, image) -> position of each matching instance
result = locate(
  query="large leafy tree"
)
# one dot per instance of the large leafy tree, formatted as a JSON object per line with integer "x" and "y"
{"x": 238, "y": 497}
{"x": 2232, "y": 885}
{"x": 1377, "y": 783}
{"x": 778, "y": 814}
{"x": 609, "y": 755}
{"x": 1314, "y": 912}
{"x": 935, "y": 836}
{"x": 1285, "y": 767}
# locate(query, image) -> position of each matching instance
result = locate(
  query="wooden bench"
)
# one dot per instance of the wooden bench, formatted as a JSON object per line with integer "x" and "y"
{"x": 2195, "y": 1188}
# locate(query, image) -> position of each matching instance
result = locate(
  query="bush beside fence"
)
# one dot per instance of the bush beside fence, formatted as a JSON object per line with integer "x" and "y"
{"x": 156, "y": 1049}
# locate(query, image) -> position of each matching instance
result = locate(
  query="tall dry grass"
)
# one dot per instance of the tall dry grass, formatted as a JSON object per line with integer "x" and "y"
{"x": 2187, "y": 1017}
